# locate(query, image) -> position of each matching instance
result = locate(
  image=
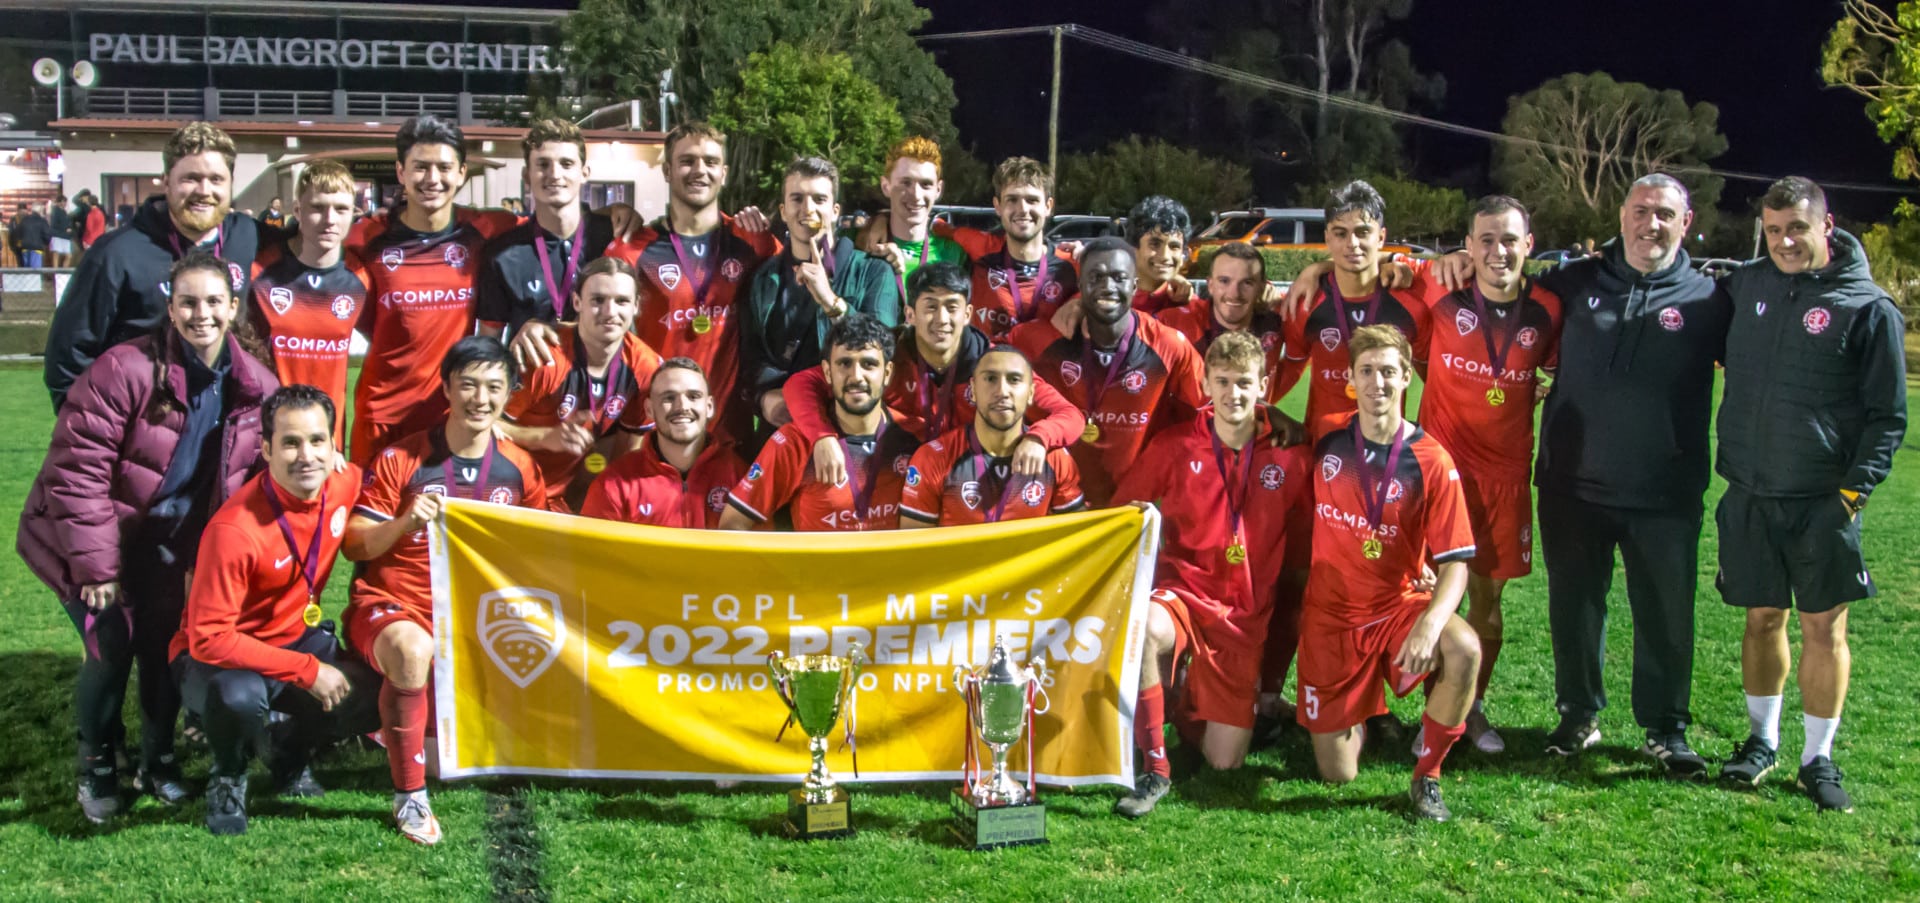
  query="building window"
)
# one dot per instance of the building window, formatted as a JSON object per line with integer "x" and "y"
{"x": 601, "y": 195}
{"x": 124, "y": 193}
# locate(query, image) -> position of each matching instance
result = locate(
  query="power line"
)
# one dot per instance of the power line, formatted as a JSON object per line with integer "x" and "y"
{"x": 1190, "y": 63}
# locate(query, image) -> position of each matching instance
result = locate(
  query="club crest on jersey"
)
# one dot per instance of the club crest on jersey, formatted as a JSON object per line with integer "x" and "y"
{"x": 281, "y": 298}
{"x": 342, "y": 307}
{"x": 1395, "y": 491}
{"x": 1070, "y": 372}
{"x": 1134, "y": 381}
{"x": 567, "y": 403}
{"x": 997, "y": 279}
{"x": 716, "y": 498}
{"x": 1670, "y": 319}
{"x": 391, "y": 258}
{"x": 731, "y": 270}
{"x": 238, "y": 276}
{"x": 615, "y": 405}
{"x": 1465, "y": 320}
{"x": 1272, "y": 477}
{"x": 1330, "y": 338}
{"x": 1329, "y": 468}
{"x": 1528, "y": 335}
{"x": 1269, "y": 340}
{"x": 669, "y": 276}
{"x": 1052, "y": 291}
{"x": 1817, "y": 320}
{"x": 500, "y": 495}
{"x": 523, "y": 631}
{"x": 970, "y": 494}
{"x": 456, "y": 256}
{"x": 1034, "y": 493}
{"x": 338, "y": 524}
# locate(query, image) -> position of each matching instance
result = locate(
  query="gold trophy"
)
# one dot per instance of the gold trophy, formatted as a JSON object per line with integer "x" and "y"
{"x": 997, "y": 811}
{"x": 815, "y": 689}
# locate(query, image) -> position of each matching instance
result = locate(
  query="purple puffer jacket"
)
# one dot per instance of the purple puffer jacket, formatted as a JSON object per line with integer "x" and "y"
{"x": 110, "y": 453}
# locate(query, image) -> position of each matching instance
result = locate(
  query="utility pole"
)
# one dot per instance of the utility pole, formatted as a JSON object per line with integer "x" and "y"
{"x": 1053, "y": 108}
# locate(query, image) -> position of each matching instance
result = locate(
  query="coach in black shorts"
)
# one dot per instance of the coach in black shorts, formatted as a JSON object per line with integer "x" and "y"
{"x": 1622, "y": 465}
{"x": 1815, "y": 406}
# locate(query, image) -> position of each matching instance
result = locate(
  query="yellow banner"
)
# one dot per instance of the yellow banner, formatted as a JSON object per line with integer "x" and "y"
{"x": 579, "y": 647}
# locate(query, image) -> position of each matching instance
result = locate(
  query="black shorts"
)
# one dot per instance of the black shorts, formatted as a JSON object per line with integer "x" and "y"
{"x": 1776, "y": 552}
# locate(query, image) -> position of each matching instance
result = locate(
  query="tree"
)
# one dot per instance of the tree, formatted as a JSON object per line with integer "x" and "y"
{"x": 1577, "y": 141}
{"x": 1112, "y": 180}
{"x": 794, "y": 102}
{"x": 1416, "y": 211}
{"x": 616, "y": 50}
{"x": 1892, "y": 249}
{"x": 1876, "y": 54}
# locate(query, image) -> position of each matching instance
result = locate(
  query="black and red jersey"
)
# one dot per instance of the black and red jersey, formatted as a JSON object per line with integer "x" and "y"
{"x": 566, "y": 390}
{"x": 1481, "y": 413}
{"x": 307, "y": 315}
{"x": 515, "y": 286}
{"x": 1007, "y": 292}
{"x": 953, "y": 481}
{"x": 868, "y": 499}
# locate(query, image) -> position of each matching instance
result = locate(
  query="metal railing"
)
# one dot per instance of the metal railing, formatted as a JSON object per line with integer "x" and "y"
{"x": 345, "y": 106}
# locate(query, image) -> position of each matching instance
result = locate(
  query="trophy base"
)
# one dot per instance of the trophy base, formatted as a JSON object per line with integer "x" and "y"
{"x": 993, "y": 827}
{"x": 819, "y": 821}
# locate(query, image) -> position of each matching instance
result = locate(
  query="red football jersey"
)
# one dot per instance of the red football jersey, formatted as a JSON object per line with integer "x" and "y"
{"x": 421, "y": 463}
{"x": 421, "y": 290}
{"x": 306, "y": 315}
{"x": 1195, "y": 321}
{"x": 640, "y": 487}
{"x": 1157, "y": 301}
{"x": 1482, "y": 417}
{"x": 1127, "y": 392}
{"x": 953, "y": 481}
{"x": 1007, "y": 293}
{"x": 1319, "y": 340}
{"x": 1423, "y": 515}
{"x": 559, "y": 391}
{"x": 687, "y": 305}
{"x": 869, "y": 499}
{"x": 1197, "y": 492}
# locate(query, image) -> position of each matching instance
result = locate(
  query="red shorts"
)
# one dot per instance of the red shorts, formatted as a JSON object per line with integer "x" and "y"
{"x": 1283, "y": 631}
{"x": 1343, "y": 670}
{"x": 367, "y": 616}
{"x": 1223, "y": 670}
{"x": 1502, "y": 518}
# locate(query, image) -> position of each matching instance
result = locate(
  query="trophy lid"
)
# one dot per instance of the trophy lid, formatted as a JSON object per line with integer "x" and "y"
{"x": 1000, "y": 668}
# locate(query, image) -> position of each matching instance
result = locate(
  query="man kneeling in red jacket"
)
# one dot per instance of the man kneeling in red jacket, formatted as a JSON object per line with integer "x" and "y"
{"x": 252, "y": 628}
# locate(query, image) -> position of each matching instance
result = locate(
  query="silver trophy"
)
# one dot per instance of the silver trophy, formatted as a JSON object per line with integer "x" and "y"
{"x": 996, "y": 810}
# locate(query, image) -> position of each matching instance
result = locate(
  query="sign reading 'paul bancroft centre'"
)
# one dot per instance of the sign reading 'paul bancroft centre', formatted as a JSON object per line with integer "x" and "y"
{"x": 318, "y": 53}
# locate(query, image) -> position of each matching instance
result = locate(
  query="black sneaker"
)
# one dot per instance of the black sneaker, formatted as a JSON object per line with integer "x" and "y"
{"x": 300, "y": 785}
{"x": 227, "y": 805}
{"x": 162, "y": 781}
{"x": 1820, "y": 778}
{"x": 99, "y": 794}
{"x": 1750, "y": 765}
{"x": 1384, "y": 732}
{"x": 1672, "y": 751}
{"x": 1574, "y": 734}
{"x": 1427, "y": 804}
{"x": 1146, "y": 793}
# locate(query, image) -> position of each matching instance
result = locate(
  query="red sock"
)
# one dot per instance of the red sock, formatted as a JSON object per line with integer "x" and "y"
{"x": 1438, "y": 739}
{"x": 1149, "y": 729}
{"x": 1489, "y": 653}
{"x": 403, "y": 727}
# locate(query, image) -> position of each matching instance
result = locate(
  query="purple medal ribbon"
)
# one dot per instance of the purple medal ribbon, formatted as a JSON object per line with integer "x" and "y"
{"x": 557, "y": 291}
{"x": 479, "y": 484}
{"x": 705, "y": 281}
{"x": 1373, "y": 498}
{"x": 1340, "y": 308}
{"x": 863, "y": 488}
{"x": 1236, "y": 510}
{"x": 930, "y": 395}
{"x": 1094, "y": 394}
{"x": 999, "y": 509}
{"x": 1013, "y": 285}
{"x": 219, "y": 242}
{"x": 309, "y": 561}
{"x": 1496, "y": 356}
{"x": 614, "y": 372}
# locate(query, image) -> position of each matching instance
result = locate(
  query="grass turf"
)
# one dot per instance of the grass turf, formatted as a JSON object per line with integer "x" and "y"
{"x": 1526, "y": 826}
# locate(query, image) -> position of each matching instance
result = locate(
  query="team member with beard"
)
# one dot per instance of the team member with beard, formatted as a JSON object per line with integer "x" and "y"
{"x": 680, "y": 474}
{"x": 308, "y": 293}
{"x": 1018, "y": 275}
{"x": 966, "y": 475}
{"x": 693, "y": 265}
{"x": 1226, "y": 487}
{"x": 389, "y": 619}
{"x": 158, "y": 433}
{"x": 1129, "y": 373}
{"x": 858, "y": 365}
{"x": 529, "y": 274}
{"x": 1236, "y": 290}
{"x": 423, "y": 259}
{"x": 120, "y": 289}
{"x": 564, "y": 413}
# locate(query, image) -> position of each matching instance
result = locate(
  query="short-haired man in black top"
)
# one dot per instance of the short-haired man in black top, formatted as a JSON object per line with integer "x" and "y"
{"x": 529, "y": 272}
{"x": 1622, "y": 465}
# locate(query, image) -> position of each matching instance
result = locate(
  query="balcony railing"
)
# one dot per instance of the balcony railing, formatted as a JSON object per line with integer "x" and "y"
{"x": 341, "y": 106}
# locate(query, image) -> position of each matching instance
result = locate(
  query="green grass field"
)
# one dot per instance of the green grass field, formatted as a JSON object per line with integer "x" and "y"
{"x": 1526, "y": 827}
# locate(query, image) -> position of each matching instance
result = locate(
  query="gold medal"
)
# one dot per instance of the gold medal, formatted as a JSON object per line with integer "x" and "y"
{"x": 1352, "y": 392}
{"x": 1091, "y": 434}
{"x": 1370, "y": 548}
{"x": 702, "y": 324}
{"x": 595, "y": 462}
{"x": 1496, "y": 396}
{"x": 312, "y": 614}
{"x": 1236, "y": 553}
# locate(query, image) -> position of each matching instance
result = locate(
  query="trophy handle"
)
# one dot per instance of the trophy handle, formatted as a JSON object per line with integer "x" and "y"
{"x": 781, "y": 686}
{"x": 1042, "y": 678}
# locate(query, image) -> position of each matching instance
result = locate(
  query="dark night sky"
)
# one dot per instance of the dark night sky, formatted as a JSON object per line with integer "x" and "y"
{"x": 1756, "y": 60}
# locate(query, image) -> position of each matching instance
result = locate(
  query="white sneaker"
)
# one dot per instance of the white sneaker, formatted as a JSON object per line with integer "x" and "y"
{"x": 1481, "y": 732}
{"x": 414, "y": 817}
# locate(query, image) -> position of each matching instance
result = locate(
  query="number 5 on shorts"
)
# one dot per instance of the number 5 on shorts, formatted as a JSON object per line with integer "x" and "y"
{"x": 1313, "y": 703}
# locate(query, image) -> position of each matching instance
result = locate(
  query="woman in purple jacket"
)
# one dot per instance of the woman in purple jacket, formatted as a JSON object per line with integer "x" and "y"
{"x": 154, "y": 436}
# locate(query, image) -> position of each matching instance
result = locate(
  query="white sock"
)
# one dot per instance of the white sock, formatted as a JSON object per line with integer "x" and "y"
{"x": 1763, "y": 717}
{"x": 1820, "y": 733}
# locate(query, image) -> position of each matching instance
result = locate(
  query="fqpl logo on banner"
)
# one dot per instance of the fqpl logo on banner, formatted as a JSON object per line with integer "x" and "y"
{"x": 523, "y": 631}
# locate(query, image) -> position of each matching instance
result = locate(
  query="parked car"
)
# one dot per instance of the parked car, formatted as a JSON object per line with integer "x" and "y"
{"x": 1081, "y": 227}
{"x": 1270, "y": 227}
{"x": 977, "y": 217}
{"x": 1717, "y": 267}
